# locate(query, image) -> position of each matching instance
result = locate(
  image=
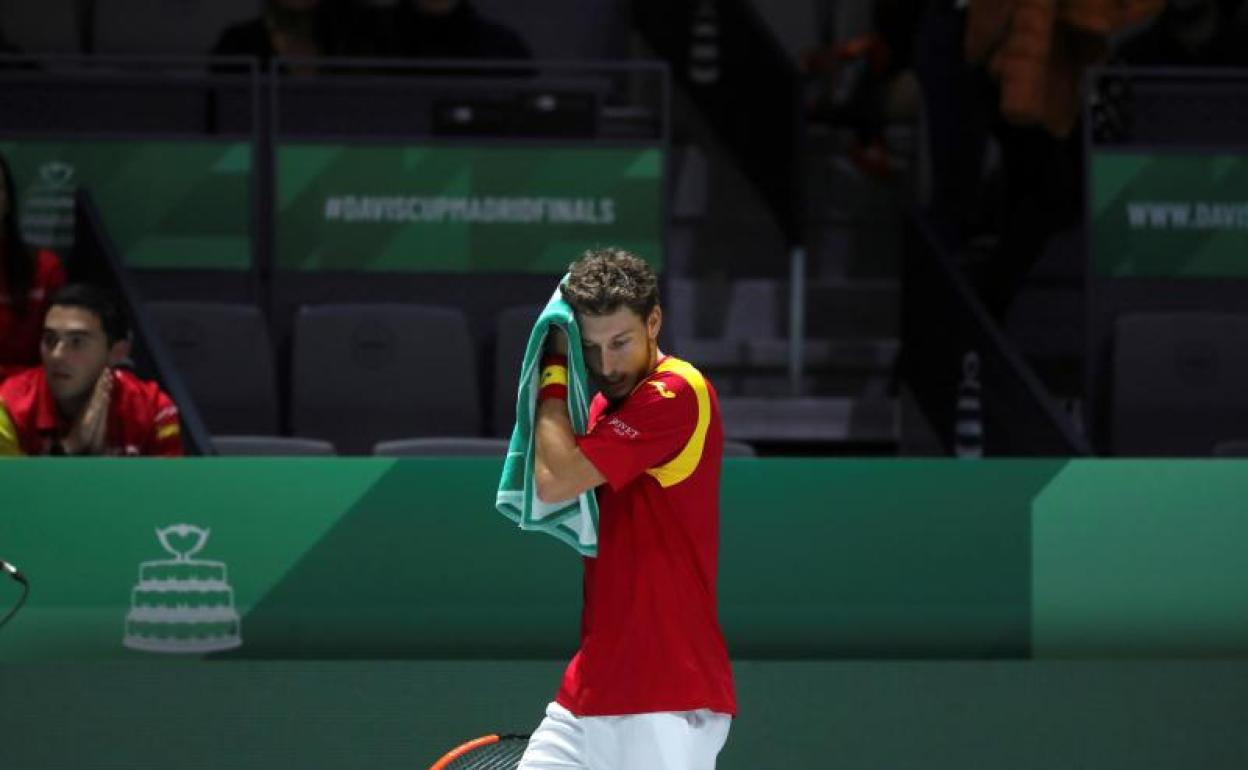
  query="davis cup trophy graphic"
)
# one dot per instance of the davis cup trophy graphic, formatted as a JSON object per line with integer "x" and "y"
{"x": 182, "y": 605}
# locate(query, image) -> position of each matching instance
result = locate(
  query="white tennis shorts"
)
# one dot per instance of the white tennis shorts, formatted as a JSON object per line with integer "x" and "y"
{"x": 664, "y": 740}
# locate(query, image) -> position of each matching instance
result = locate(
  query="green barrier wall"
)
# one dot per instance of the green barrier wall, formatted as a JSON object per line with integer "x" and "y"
{"x": 464, "y": 209}
{"x": 372, "y": 558}
{"x": 1169, "y": 214}
{"x": 167, "y": 204}
{"x": 187, "y": 204}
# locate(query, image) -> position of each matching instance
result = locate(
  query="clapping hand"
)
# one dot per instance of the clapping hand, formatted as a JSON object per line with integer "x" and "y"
{"x": 86, "y": 435}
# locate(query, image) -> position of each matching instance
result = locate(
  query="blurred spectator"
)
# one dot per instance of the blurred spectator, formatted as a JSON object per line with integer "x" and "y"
{"x": 77, "y": 402}
{"x": 867, "y": 81}
{"x": 1039, "y": 50}
{"x": 28, "y": 279}
{"x": 296, "y": 28}
{"x": 1192, "y": 33}
{"x": 445, "y": 29}
{"x": 1011, "y": 70}
{"x": 451, "y": 29}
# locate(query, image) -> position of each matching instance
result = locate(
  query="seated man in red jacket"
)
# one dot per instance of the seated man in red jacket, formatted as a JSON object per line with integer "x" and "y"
{"x": 77, "y": 403}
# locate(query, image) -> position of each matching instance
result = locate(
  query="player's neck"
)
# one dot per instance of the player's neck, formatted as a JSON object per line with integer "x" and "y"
{"x": 70, "y": 409}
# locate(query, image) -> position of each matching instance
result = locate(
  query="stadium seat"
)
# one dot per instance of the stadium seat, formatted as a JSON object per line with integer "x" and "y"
{"x": 442, "y": 447}
{"x": 49, "y": 26}
{"x": 223, "y": 353}
{"x": 1180, "y": 383}
{"x": 754, "y": 309}
{"x": 511, "y": 340}
{"x": 366, "y": 373}
{"x": 716, "y": 354}
{"x": 271, "y": 446}
{"x": 1238, "y": 448}
{"x": 738, "y": 449}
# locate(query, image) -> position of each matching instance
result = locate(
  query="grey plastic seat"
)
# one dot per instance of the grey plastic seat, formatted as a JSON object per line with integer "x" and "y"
{"x": 1180, "y": 383}
{"x": 367, "y": 373}
{"x": 1237, "y": 448}
{"x": 271, "y": 446}
{"x": 50, "y": 26}
{"x": 738, "y": 449}
{"x": 224, "y": 354}
{"x": 443, "y": 447}
{"x": 511, "y": 340}
{"x": 754, "y": 309}
{"x": 713, "y": 354}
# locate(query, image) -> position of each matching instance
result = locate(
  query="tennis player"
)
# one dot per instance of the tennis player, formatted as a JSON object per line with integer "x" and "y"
{"x": 651, "y": 686}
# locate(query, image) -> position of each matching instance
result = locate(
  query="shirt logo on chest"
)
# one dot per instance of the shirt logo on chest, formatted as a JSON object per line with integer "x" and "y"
{"x": 661, "y": 387}
{"x": 622, "y": 428}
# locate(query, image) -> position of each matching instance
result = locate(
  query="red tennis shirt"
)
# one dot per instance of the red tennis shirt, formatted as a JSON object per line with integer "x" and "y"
{"x": 650, "y": 636}
{"x": 142, "y": 420}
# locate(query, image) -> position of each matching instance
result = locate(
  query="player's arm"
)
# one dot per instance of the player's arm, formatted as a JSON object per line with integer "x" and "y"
{"x": 561, "y": 470}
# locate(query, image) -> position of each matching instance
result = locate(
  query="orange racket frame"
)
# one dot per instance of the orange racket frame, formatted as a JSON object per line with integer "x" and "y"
{"x": 464, "y": 748}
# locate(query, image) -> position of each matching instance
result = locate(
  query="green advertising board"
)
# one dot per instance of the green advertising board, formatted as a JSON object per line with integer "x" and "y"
{"x": 1169, "y": 214}
{"x": 166, "y": 204}
{"x": 463, "y": 208}
{"x": 237, "y": 559}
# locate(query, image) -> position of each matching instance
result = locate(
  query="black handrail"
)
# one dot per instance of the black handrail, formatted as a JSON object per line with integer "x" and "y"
{"x": 753, "y": 102}
{"x": 96, "y": 260}
{"x": 942, "y": 321}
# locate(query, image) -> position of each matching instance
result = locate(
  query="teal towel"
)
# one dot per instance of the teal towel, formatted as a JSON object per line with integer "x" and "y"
{"x": 573, "y": 521}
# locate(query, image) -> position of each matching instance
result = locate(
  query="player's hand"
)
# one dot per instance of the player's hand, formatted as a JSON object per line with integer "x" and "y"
{"x": 87, "y": 434}
{"x": 556, "y": 341}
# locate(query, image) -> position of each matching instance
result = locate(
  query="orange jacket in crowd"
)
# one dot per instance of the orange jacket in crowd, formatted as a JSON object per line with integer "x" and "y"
{"x": 1040, "y": 49}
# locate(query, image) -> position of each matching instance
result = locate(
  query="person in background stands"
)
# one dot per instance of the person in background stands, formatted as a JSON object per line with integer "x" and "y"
{"x": 453, "y": 29}
{"x": 445, "y": 29}
{"x": 298, "y": 28}
{"x": 77, "y": 402}
{"x": 28, "y": 279}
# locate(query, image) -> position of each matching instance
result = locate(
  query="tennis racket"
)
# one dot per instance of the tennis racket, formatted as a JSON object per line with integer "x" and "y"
{"x": 489, "y": 752}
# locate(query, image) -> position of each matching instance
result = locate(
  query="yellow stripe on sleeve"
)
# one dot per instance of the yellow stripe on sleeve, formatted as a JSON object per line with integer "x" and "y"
{"x": 684, "y": 464}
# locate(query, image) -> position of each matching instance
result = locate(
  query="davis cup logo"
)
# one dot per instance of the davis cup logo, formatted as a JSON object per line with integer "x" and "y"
{"x": 47, "y": 215}
{"x": 56, "y": 175}
{"x": 182, "y": 605}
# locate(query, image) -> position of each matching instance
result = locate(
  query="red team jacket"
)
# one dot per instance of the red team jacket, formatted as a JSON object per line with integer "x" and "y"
{"x": 19, "y": 335}
{"x": 650, "y": 636}
{"x": 142, "y": 420}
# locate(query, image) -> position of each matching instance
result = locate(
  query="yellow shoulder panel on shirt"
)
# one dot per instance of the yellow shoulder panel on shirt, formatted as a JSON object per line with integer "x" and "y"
{"x": 9, "y": 444}
{"x": 684, "y": 464}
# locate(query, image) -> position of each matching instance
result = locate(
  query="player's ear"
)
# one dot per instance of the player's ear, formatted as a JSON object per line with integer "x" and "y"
{"x": 654, "y": 322}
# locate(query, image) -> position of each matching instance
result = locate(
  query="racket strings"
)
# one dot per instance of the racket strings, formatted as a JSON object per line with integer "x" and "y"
{"x": 503, "y": 755}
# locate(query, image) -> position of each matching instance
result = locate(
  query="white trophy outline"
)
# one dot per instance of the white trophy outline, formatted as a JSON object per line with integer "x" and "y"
{"x": 144, "y": 614}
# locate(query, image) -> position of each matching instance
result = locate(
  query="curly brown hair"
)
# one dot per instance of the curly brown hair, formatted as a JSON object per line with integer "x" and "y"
{"x": 604, "y": 280}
